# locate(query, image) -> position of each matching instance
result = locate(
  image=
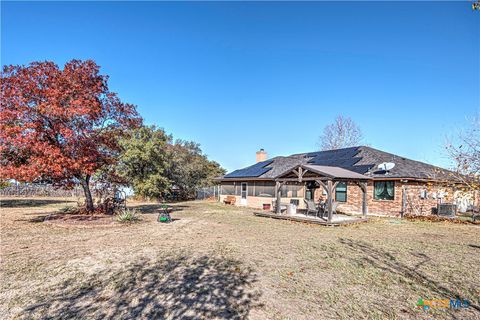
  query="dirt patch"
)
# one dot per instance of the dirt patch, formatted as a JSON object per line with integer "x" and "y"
{"x": 79, "y": 220}
{"x": 173, "y": 287}
{"x": 441, "y": 219}
{"x": 221, "y": 262}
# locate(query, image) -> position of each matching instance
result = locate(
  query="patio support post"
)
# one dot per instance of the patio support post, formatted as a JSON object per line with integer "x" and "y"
{"x": 364, "y": 199}
{"x": 363, "y": 186}
{"x": 278, "y": 186}
{"x": 330, "y": 200}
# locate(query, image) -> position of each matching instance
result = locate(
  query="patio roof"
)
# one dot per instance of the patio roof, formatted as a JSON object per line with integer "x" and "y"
{"x": 324, "y": 171}
{"x": 327, "y": 177}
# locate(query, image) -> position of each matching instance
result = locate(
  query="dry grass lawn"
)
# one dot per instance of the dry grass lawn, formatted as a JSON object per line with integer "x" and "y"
{"x": 217, "y": 261}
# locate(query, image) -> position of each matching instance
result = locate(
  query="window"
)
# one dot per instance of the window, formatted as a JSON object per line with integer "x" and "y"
{"x": 294, "y": 189}
{"x": 228, "y": 188}
{"x": 250, "y": 188}
{"x": 384, "y": 190}
{"x": 341, "y": 192}
{"x": 289, "y": 191}
{"x": 238, "y": 189}
{"x": 284, "y": 191}
{"x": 264, "y": 189}
{"x": 309, "y": 194}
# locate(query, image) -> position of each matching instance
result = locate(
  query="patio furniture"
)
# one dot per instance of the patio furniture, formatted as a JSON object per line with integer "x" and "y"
{"x": 311, "y": 207}
{"x": 322, "y": 206}
{"x": 295, "y": 202}
{"x": 475, "y": 212}
{"x": 324, "y": 209}
{"x": 325, "y": 177}
{"x": 291, "y": 209}
{"x": 334, "y": 207}
{"x": 230, "y": 200}
{"x": 283, "y": 206}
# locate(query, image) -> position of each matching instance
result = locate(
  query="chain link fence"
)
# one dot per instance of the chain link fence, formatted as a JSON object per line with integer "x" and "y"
{"x": 39, "y": 190}
{"x": 210, "y": 193}
{"x": 43, "y": 190}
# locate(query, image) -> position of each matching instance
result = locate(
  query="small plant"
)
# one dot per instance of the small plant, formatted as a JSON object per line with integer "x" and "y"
{"x": 127, "y": 215}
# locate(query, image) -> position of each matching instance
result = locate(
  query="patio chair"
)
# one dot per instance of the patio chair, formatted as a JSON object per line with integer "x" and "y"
{"x": 230, "y": 200}
{"x": 324, "y": 213}
{"x": 311, "y": 207}
{"x": 475, "y": 212}
{"x": 295, "y": 202}
{"x": 334, "y": 207}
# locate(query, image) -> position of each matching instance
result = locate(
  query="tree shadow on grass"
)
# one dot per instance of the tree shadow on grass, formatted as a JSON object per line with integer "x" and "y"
{"x": 172, "y": 288}
{"x": 24, "y": 203}
{"x": 385, "y": 261}
{"x": 155, "y": 208}
{"x": 36, "y": 219}
{"x": 72, "y": 218}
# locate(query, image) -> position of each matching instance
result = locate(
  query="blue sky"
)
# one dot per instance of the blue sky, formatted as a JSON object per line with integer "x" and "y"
{"x": 237, "y": 77}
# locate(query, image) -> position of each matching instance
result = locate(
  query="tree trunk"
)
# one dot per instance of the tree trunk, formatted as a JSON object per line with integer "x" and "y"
{"x": 88, "y": 195}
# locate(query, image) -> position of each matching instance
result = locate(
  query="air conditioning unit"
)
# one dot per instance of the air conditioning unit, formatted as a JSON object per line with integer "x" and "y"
{"x": 446, "y": 209}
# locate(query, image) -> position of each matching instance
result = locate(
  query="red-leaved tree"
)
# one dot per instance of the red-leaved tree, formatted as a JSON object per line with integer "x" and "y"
{"x": 60, "y": 126}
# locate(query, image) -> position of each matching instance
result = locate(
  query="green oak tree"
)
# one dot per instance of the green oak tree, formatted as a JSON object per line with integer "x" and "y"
{"x": 153, "y": 164}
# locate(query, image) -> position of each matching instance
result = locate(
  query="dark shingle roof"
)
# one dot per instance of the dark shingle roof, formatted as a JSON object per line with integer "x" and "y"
{"x": 363, "y": 160}
{"x": 334, "y": 172}
{"x": 256, "y": 170}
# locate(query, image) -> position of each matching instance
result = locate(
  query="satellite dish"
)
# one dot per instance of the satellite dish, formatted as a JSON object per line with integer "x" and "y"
{"x": 386, "y": 166}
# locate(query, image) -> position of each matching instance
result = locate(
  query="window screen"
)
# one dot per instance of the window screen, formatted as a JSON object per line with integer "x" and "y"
{"x": 251, "y": 187}
{"x": 238, "y": 189}
{"x": 264, "y": 189}
{"x": 227, "y": 188}
{"x": 290, "y": 191}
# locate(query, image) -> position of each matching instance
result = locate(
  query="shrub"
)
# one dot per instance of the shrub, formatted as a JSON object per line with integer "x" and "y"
{"x": 127, "y": 215}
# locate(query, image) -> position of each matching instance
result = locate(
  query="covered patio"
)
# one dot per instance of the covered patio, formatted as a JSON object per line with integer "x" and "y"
{"x": 327, "y": 177}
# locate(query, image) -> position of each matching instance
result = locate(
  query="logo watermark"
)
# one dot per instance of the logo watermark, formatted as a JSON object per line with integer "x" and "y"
{"x": 427, "y": 304}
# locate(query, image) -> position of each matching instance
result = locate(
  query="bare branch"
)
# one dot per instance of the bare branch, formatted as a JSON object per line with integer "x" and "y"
{"x": 465, "y": 154}
{"x": 342, "y": 133}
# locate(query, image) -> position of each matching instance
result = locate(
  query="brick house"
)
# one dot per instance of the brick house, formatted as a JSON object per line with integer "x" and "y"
{"x": 410, "y": 187}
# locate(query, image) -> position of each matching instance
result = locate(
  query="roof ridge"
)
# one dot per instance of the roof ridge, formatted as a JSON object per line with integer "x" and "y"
{"x": 404, "y": 158}
{"x": 369, "y": 148}
{"x": 329, "y": 150}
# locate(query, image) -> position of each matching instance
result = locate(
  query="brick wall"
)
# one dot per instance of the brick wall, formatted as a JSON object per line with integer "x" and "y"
{"x": 415, "y": 204}
{"x": 378, "y": 207}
